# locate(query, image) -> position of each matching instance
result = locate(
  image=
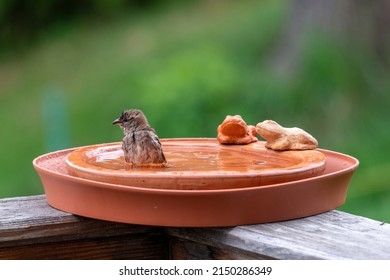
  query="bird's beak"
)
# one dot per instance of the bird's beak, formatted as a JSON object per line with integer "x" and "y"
{"x": 117, "y": 122}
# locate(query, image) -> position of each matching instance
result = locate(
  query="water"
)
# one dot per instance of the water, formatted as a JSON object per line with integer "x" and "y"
{"x": 193, "y": 159}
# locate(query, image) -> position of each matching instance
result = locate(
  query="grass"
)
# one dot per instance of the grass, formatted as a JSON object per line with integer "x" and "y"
{"x": 188, "y": 66}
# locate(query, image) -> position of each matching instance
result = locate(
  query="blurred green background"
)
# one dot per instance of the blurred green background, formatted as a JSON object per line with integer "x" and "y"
{"x": 67, "y": 69}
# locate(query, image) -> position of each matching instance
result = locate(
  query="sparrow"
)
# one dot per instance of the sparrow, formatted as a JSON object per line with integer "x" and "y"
{"x": 140, "y": 143}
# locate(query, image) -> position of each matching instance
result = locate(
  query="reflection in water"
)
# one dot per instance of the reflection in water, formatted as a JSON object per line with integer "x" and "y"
{"x": 198, "y": 159}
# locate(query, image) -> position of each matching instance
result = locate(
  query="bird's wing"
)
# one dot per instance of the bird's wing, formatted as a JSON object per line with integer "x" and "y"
{"x": 150, "y": 145}
{"x": 128, "y": 147}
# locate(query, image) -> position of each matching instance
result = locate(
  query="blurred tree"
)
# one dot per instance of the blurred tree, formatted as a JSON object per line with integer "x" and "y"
{"x": 353, "y": 23}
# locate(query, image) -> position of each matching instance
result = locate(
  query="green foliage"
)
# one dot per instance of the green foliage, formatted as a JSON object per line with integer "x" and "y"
{"x": 21, "y": 21}
{"x": 187, "y": 87}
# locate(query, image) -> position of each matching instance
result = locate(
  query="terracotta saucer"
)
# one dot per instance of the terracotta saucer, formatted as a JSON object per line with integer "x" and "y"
{"x": 197, "y": 164}
{"x": 195, "y": 208}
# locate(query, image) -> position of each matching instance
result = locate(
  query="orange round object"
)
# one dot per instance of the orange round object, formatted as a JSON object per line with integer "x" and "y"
{"x": 195, "y": 208}
{"x": 197, "y": 164}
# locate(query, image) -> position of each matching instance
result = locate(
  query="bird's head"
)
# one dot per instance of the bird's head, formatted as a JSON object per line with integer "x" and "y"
{"x": 131, "y": 119}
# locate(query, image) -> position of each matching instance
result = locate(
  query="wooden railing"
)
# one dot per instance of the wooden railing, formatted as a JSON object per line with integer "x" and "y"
{"x": 31, "y": 229}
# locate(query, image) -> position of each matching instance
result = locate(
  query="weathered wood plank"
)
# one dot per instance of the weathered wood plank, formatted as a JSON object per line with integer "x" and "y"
{"x": 31, "y": 229}
{"x": 133, "y": 247}
{"x": 332, "y": 235}
{"x": 181, "y": 249}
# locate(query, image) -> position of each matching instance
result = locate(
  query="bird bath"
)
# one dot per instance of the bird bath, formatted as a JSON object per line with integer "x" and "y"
{"x": 197, "y": 164}
{"x": 183, "y": 205}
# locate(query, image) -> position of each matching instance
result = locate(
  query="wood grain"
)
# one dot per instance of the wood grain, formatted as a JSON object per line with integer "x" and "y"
{"x": 332, "y": 235}
{"x": 31, "y": 229}
{"x": 181, "y": 249}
